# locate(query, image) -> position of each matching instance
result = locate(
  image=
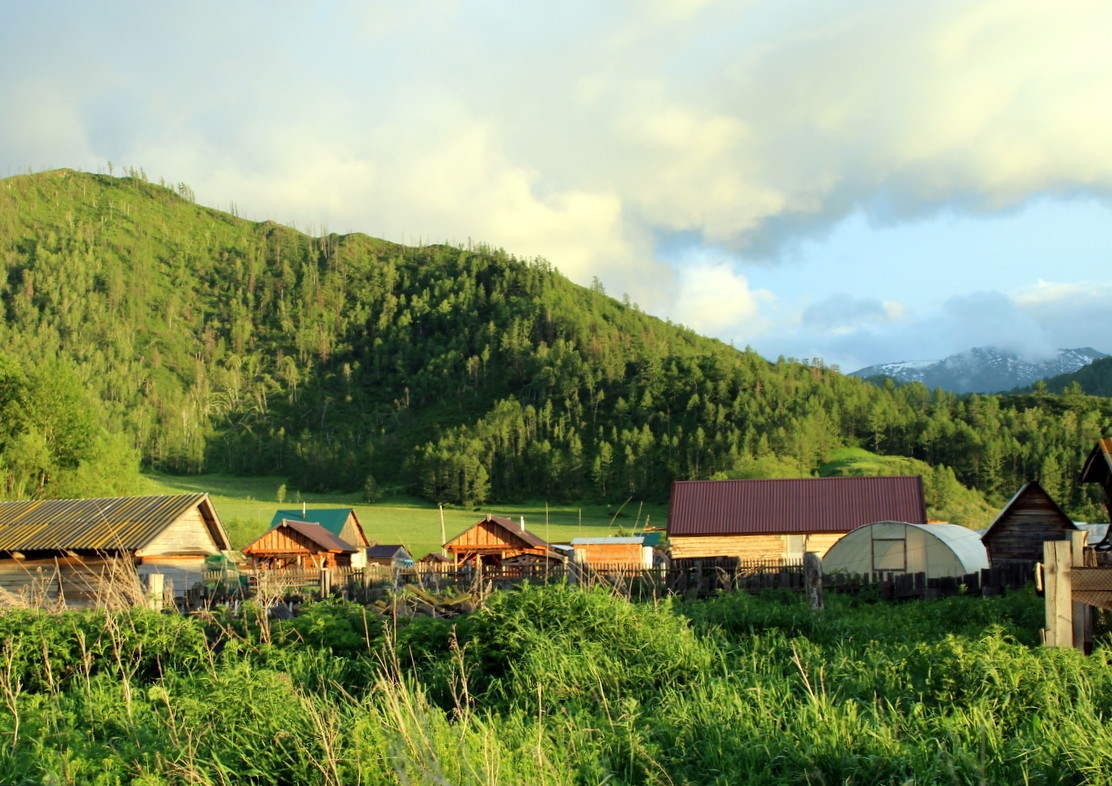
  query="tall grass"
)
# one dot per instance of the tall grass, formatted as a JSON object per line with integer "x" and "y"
{"x": 555, "y": 685}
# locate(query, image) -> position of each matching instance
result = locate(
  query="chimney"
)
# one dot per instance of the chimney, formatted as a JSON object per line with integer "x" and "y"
{"x": 522, "y": 523}
{"x": 303, "y": 509}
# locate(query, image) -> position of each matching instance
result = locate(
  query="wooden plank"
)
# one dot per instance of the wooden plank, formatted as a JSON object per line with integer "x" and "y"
{"x": 1059, "y": 604}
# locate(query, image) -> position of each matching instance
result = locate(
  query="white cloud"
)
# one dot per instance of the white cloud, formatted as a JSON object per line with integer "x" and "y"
{"x": 713, "y": 299}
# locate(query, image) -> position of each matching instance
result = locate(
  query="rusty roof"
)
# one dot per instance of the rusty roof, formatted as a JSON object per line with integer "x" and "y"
{"x": 792, "y": 506}
{"x": 108, "y": 524}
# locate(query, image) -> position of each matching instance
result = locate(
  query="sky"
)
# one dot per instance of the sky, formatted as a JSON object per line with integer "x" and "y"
{"x": 855, "y": 181}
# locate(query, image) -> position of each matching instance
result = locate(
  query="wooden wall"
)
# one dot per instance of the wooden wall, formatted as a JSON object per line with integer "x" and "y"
{"x": 84, "y": 580}
{"x": 1020, "y": 533}
{"x": 610, "y": 553}
{"x": 752, "y": 547}
{"x": 188, "y": 535}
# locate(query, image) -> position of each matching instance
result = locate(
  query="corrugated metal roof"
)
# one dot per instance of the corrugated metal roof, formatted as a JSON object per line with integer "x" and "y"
{"x": 797, "y": 505}
{"x": 124, "y": 523}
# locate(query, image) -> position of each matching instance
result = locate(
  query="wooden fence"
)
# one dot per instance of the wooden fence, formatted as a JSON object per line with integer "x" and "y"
{"x": 684, "y": 578}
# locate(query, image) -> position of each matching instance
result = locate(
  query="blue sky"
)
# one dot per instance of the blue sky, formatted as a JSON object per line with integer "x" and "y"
{"x": 857, "y": 181}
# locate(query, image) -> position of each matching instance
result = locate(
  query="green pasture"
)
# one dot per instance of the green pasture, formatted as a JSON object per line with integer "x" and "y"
{"x": 247, "y": 504}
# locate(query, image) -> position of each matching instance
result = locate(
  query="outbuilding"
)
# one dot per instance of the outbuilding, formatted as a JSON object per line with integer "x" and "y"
{"x": 1030, "y": 519}
{"x": 617, "y": 551}
{"x": 777, "y": 520}
{"x": 495, "y": 541}
{"x": 302, "y": 545}
{"x": 75, "y": 550}
{"x": 937, "y": 550}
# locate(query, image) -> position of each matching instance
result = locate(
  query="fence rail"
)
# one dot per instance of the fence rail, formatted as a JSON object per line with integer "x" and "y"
{"x": 685, "y": 578}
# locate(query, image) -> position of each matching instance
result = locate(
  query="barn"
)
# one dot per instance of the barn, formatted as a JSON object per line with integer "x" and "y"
{"x": 776, "y": 520}
{"x": 70, "y": 549}
{"x": 495, "y": 540}
{"x": 1018, "y": 532}
{"x": 302, "y": 545}
{"x": 938, "y": 550}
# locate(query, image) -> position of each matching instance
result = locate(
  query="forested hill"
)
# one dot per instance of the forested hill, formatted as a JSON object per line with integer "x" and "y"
{"x": 466, "y": 375}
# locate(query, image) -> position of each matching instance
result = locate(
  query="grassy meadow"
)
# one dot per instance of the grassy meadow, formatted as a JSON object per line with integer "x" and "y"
{"x": 246, "y": 506}
{"x": 556, "y": 685}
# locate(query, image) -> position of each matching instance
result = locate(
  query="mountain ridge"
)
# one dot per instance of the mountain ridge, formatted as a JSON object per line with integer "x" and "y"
{"x": 982, "y": 369}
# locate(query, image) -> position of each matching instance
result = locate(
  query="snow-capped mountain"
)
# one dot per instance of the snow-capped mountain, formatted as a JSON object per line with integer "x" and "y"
{"x": 983, "y": 369}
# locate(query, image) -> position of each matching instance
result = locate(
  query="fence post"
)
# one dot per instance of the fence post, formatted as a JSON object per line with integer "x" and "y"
{"x": 1082, "y": 612}
{"x": 812, "y": 579}
{"x": 325, "y": 583}
{"x": 155, "y": 588}
{"x": 1057, "y": 561}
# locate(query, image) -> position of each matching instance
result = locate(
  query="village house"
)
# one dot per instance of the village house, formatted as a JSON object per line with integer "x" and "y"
{"x": 495, "y": 541}
{"x": 773, "y": 521}
{"x": 73, "y": 549}
{"x": 391, "y": 555}
{"x": 1030, "y": 519}
{"x": 302, "y": 545}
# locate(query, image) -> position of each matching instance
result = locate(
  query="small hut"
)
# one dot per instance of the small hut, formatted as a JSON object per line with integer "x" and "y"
{"x": 1019, "y": 531}
{"x": 304, "y": 545}
{"x": 626, "y": 552}
{"x": 495, "y": 540}
{"x": 434, "y": 559}
{"x": 391, "y": 555}
{"x": 71, "y": 549}
{"x": 937, "y": 550}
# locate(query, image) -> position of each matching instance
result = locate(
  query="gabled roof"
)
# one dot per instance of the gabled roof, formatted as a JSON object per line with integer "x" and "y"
{"x": 792, "y": 506}
{"x": 332, "y": 519}
{"x": 511, "y": 527}
{"x": 107, "y": 524}
{"x": 1031, "y": 495}
{"x": 311, "y": 530}
{"x": 1098, "y": 466}
{"x": 387, "y": 551}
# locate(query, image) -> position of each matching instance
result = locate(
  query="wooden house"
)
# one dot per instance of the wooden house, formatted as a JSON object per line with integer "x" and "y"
{"x": 301, "y": 545}
{"x": 341, "y": 522}
{"x": 1098, "y": 469}
{"x": 1025, "y": 523}
{"x": 496, "y": 540}
{"x": 69, "y": 549}
{"x": 434, "y": 559}
{"x": 777, "y": 520}
{"x": 392, "y": 555}
{"x": 627, "y": 552}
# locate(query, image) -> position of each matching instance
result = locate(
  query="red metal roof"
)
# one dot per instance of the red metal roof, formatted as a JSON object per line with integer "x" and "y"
{"x": 797, "y": 505}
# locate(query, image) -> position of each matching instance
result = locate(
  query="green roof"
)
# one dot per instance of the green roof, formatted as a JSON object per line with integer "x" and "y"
{"x": 332, "y": 519}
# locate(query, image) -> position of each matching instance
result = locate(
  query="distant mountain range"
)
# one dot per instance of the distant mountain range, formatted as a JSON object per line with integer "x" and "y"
{"x": 983, "y": 369}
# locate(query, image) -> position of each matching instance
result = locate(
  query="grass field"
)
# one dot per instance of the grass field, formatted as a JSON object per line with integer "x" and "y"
{"x": 246, "y": 506}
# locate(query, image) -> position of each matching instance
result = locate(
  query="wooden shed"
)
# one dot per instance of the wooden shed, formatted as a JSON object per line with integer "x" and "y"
{"x": 1019, "y": 531}
{"x": 394, "y": 555}
{"x": 494, "y": 540}
{"x": 302, "y": 545}
{"x": 617, "y": 551}
{"x": 777, "y": 520}
{"x": 1098, "y": 469}
{"x": 70, "y": 549}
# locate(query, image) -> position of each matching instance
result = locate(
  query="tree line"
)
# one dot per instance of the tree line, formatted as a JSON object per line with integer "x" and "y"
{"x": 212, "y": 343}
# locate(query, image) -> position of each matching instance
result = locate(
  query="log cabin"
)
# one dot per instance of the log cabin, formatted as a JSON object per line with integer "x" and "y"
{"x": 1018, "y": 532}
{"x": 302, "y": 545}
{"x": 773, "y": 521}
{"x": 494, "y": 540}
{"x": 75, "y": 551}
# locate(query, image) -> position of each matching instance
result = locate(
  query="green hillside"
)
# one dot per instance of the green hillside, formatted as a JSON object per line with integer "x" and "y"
{"x": 1095, "y": 379}
{"x": 463, "y": 375}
